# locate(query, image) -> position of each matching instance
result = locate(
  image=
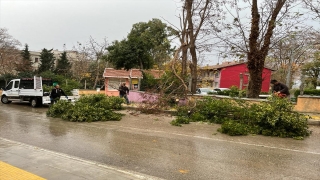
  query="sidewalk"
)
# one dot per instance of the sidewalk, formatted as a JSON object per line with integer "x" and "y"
{"x": 20, "y": 162}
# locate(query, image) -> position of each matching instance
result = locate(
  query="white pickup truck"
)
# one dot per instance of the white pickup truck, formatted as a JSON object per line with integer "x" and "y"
{"x": 28, "y": 90}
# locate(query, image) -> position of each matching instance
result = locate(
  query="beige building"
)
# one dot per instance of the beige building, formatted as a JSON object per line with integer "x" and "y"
{"x": 72, "y": 56}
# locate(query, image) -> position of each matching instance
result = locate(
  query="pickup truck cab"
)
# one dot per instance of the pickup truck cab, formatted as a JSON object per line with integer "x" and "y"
{"x": 31, "y": 90}
{"x": 27, "y": 90}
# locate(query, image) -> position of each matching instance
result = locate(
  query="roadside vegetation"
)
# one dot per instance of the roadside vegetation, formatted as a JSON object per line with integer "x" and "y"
{"x": 238, "y": 117}
{"x": 88, "y": 108}
{"x": 294, "y": 52}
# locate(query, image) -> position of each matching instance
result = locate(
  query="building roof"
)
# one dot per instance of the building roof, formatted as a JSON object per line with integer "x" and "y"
{"x": 227, "y": 64}
{"x": 133, "y": 73}
{"x": 121, "y": 73}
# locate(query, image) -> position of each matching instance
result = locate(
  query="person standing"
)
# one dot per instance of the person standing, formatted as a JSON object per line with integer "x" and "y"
{"x": 280, "y": 89}
{"x": 124, "y": 92}
{"x": 56, "y": 93}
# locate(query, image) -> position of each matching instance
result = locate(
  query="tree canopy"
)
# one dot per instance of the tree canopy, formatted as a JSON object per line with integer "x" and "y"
{"x": 146, "y": 45}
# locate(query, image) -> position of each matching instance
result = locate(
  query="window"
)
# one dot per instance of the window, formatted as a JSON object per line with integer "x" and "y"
{"x": 16, "y": 84}
{"x": 27, "y": 84}
{"x": 135, "y": 83}
{"x": 36, "y": 60}
{"x": 217, "y": 74}
{"x": 114, "y": 83}
{"x": 9, "y": 86}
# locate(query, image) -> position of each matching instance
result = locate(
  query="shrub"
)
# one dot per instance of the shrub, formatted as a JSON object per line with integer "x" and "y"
{"x": 102, "y": 101}
{"x": 215, "y": 110}
{"x": 59, "y": 108}
{"x": 86, "y": 113}
{"x": 88, "y": 108}
{"x": 234, "y": 128}
{"x": 234, "y": 91}
{"x": 277, "y": 118}
{"x": 180, "y": 120}
{"x": 312, "y": 92}
{"x": 197, "y": 116}
{"x": 274, "y": 117}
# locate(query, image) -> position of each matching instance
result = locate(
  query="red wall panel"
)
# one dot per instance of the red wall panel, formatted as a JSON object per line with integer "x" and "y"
{"x": 230, "y": 76}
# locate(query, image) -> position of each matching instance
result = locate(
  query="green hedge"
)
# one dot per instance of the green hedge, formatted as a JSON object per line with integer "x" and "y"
{"x": 311, "y": 92}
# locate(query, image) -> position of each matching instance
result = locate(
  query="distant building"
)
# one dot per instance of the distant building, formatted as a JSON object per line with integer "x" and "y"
{"x": 230, "y": 74}
{"x": 35, "y": 57}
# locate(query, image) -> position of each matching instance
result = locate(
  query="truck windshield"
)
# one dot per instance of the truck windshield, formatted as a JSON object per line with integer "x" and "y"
{"x": 9, "y": 86}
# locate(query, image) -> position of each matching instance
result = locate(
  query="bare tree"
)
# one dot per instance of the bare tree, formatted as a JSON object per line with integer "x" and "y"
{"x": 251, "y": 37}
{"x": 96, "y": 50}
{"x": 80, "y": 62}
{"x": 290, "y": 54}
{"x": 85, "y": 56}
{"x": 193, "y": 34}
{"x": 314, "y": 6}
{"x": 10, "y": 55}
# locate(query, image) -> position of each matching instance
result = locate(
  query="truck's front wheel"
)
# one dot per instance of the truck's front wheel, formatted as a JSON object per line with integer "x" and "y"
{"x": 34, "y": 102}
{"x": 5, "y": 100}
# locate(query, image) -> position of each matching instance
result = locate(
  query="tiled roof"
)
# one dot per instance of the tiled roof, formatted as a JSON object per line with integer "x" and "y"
{"x": 223, "y": 65}
{"x": 121, "y": 73}
{"x": 135, "y": 73}
{"x": 227, "y": 64}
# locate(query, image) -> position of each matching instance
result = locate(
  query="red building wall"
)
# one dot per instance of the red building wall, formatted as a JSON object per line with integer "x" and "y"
{"x": 230, "y": 76}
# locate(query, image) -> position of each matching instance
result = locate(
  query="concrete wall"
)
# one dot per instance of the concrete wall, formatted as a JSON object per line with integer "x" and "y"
{"x": 308, "y": 104}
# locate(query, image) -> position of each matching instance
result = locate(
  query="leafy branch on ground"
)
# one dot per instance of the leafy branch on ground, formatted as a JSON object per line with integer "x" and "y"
{"x": 97, "y": 107}
{"x": 274, "y": 117}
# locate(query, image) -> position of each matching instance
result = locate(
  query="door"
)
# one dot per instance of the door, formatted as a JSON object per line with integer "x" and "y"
{"x": 14, "y": 91}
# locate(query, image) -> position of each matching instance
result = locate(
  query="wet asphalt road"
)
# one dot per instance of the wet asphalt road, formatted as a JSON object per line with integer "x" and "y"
{"x": 150, "y": 145}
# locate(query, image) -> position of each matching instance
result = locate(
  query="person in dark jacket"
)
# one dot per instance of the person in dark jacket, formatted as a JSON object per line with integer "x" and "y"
{"x": 124, "y": 92}
{"x": 280, "y": 89}
{"x": 56, "y": 94}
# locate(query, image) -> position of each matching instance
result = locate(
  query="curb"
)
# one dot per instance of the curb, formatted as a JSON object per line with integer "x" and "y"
{"x": 314, "y": 122}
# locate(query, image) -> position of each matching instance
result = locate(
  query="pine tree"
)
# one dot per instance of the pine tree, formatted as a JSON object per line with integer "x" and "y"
{"x": 63, "y": 65}
{"x": 25, "y": 66}
{"x": 46, "y": 61}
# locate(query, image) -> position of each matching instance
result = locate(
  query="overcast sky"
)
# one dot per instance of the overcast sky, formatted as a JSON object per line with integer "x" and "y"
{"x": 53, "y": 23}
